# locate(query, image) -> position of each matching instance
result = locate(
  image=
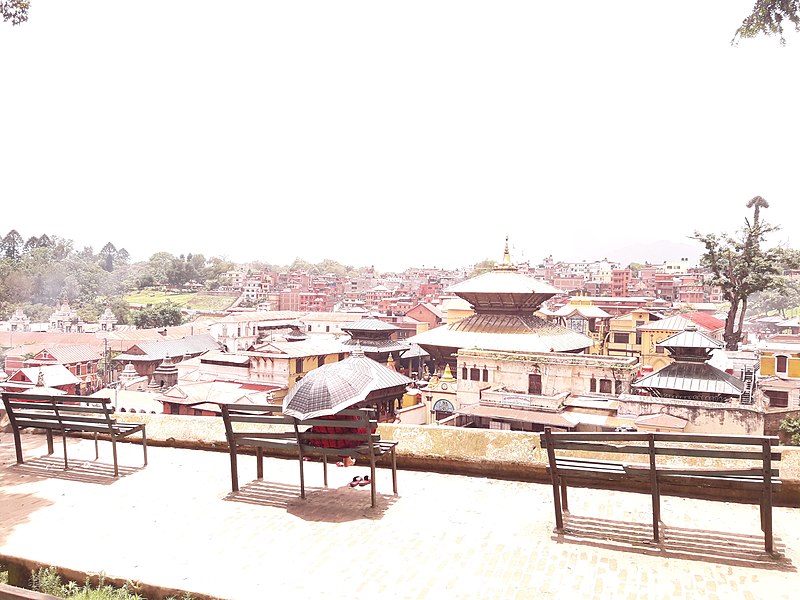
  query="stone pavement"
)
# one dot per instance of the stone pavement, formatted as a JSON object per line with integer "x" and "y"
{"x": 176, "y": 525}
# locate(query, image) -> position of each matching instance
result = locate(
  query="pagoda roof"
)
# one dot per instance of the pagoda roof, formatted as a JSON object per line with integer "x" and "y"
{"x": 692, "y": 377}
{"x": 509, "y": 333}
{"x": 369, "y": 324}
{"x": 503, "y": 282}
{"x": 690, "y": 338}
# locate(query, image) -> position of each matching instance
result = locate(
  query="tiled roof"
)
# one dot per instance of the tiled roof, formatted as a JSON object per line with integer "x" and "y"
{"x": 590, "y": 312}
{"x": 377, "y": 345}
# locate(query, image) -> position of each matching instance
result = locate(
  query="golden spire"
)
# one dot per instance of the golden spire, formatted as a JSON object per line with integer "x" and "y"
{"x": 506, "y": 264}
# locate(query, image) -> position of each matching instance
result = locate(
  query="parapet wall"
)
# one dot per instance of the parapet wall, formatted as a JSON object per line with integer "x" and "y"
{"x": 477, "y": 452}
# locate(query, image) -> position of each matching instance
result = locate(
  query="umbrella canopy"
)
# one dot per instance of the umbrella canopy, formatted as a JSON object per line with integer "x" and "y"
{"x": 327, "y": 390}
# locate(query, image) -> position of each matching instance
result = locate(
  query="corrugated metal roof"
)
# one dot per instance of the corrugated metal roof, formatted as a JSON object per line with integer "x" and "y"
{"x": 301, "y": 348}
{"x": 369, "y": 324}
{"x": 516, "y": 414}
{"x": 692, "y": 377}
{"x": 377, "y": 345}
{"x": 54, "y": 375}
{"x": 264, "y": 315}
{"x": 590, "y": 312}
{"x": 674, "y": 323}
{"x": 691, "y": 338}
{"x": 73, "y": 354}
{"x": 159, "y": 350}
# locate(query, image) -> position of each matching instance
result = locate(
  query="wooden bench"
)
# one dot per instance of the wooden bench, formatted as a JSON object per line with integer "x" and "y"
{"x": 65, "y": 415}
{"x": 752, "y": 479}
{"x": 265, "y": 427}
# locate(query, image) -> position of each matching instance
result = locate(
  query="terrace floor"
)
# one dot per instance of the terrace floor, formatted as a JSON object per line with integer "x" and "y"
{"x": 175, "y": 524}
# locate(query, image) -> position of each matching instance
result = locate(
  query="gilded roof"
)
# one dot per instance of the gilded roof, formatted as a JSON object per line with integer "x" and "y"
{"x": 503, "y": 282}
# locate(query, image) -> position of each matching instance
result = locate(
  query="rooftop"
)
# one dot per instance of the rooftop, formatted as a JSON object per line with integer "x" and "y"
{"x": 176, "y": 525}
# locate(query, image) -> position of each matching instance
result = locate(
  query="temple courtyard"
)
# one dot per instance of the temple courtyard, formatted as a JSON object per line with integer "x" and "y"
{"x": 175, "y": 526}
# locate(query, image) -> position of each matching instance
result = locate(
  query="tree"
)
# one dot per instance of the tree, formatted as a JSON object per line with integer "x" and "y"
{"x": 15, "y": 11}
{"x": 167, "y": 314}
{"x": 791, "y": 425}
{"x": 12, "y": 245}
{"x": 482, "y": 267}
{"x": 741, "y": 268}
{"x": 780, "y": 300}
{"x": 107, "y": 255}
{"x": 768, "y": 18}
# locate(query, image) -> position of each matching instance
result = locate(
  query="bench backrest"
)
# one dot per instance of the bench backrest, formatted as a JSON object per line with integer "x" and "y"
{"x": 249, "y": 421}
{"x": 77, "y": 413}
{"x": 354, "y": 425}
{"x": 689, "y": 445}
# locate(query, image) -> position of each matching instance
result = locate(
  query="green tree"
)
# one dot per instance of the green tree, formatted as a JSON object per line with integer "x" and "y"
{"x": 483, "y": 267}
{"x": 779, "y": 299}
{"x": 167, "y": 314}
{"x": 741, "y": 267}
{"x": 108, "y": 254}
{"x": 791, "y": 425}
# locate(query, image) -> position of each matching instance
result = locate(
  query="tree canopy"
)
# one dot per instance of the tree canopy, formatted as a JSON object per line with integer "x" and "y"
{"x": 741, "y": 267}
{"x": 768, "y": 18}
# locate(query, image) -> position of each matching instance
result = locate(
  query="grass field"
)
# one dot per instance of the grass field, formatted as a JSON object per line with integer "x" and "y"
{"x": 194, "y": 301}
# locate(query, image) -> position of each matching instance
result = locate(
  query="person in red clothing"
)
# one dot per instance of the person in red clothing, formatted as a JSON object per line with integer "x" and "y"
{"x": 346, "y": 461}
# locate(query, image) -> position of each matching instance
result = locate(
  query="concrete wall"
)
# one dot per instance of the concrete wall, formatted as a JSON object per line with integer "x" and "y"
{"x": 476, "y": 452}
{"x": 703, "y": 417}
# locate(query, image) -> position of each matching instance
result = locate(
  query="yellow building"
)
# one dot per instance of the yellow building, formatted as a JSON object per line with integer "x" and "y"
{"x": 623, "y": 337}
{"x": 779, "y": 373}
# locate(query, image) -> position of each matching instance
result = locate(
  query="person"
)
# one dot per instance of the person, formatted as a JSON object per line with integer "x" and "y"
{"x": 346, "y": 461}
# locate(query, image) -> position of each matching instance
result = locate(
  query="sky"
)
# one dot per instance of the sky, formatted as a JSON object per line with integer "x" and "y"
{"x": 395, "y": 134}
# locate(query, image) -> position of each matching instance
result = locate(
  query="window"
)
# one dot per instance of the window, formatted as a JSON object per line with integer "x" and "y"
{"x": 781, "y": 364}
{"x": 593, "y": 385}
{"x": 605, "y": 386}
{"x": 475, "y": 374}
{"x": 320, "y": 361}
{"x": 485, "y": 375}
{"x": 621, "y": 338}
{"x": 617, "y": 387}
{"x": 659, "y": 349}
{"x": 777, "y": 399}
{"x": 298, "y": 365}
{"x": 464, "y": 373}
{"x": 327, "y": 328}
{"x": 639, "y": 338}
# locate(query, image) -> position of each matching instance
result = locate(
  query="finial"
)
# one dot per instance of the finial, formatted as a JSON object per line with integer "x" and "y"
{"x": 506, "y": 264}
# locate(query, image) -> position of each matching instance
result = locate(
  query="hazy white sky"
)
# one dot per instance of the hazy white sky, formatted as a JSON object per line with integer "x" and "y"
{"x": 394, "y": 133}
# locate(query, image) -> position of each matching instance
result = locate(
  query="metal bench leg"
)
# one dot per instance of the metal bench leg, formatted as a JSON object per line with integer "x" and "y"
{"x": 372, "y": 479}
{"x": 144, "y": 446}
{"x": 302, "y": 475}
{"x": 325, "y": 469}
{"x": 114, "y": 451}
{"x": 234, "y": 468}
{"x": 96, "y": 447}
{"x": 394, "y": 472}
{"x": 64, "y": 442}
{"x": 18, "y": 444}
{"x": 259, "y": 463}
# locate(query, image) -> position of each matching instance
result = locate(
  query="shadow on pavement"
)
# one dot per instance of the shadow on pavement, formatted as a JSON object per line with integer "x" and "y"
{"x": 334, "y": 505}
{"x": 690, "y": 544}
